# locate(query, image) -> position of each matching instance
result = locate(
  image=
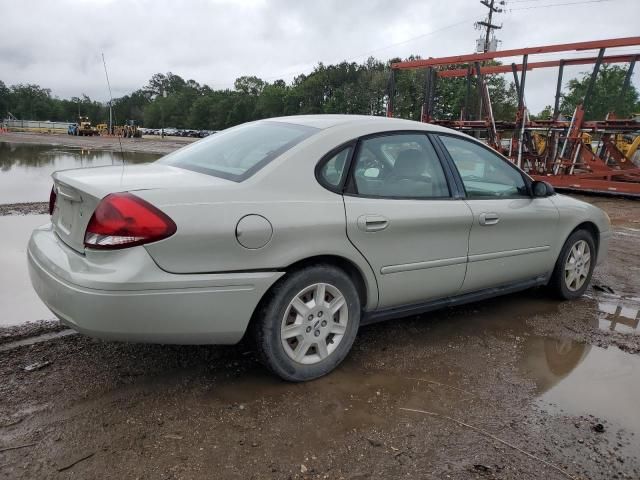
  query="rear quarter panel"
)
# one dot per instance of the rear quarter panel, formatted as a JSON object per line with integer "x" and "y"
{"x": 307, "y": 219}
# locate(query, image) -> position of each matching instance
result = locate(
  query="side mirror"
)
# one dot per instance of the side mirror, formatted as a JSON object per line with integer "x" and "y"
{"x": 542, "y": 189}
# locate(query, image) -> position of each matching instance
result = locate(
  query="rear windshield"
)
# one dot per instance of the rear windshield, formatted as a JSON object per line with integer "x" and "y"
{"x": 239, "y": 152}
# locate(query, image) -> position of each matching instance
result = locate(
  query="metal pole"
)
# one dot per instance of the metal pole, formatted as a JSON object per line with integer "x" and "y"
{"x": 479, "y": 79}
{"x": 556, "y": 105}
{"x": 467, "y": 94}
{"x": 164, "y": 95}
{"x": 592, "y": 80}
{"x": 627, "y": 81}
{"x": 566, "y": 139}
{"x": 486, "y": 38}
{"x": 523, "y": 78}
{"x": 521, "y": 106}
{"x": 514, "y": 69}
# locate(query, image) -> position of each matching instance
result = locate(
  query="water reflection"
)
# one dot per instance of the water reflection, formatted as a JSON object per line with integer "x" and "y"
{"x": 593, "y": 381}
{"x": 619, "y": 313}
{"x": 25, "y": 170}
{"x": 547, "y": 361}
{"x": 580, "y": 379}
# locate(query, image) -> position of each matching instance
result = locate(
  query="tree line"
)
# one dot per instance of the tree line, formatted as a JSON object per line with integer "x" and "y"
{"x": 353, "y": 88}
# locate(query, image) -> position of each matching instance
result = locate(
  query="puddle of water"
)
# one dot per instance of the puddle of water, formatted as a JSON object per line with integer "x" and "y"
{"x": 18, "y": 301}
{"x": 25, "y": 170}
{"x": 350, "y": 398}
{"x": 619, "y": 313}
{"x": 578, "y": 379}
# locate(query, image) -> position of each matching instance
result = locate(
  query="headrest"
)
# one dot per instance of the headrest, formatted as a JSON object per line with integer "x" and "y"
{"x": 410, "y": 163}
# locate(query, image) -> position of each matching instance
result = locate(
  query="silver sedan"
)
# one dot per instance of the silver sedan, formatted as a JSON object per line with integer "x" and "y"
{"x": 298, "y": 230}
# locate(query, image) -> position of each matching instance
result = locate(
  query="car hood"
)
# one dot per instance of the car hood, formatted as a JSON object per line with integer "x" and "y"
{"x": 101, "y": 181}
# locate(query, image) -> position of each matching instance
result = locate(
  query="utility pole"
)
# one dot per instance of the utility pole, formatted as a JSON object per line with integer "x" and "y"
{"x": 487, "y": 24}
{"x": 485, "y": 45}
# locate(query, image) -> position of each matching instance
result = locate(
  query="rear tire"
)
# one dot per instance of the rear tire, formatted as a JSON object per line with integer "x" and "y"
{"x": 574, "y": 267}
{"x": 308, "y": 323}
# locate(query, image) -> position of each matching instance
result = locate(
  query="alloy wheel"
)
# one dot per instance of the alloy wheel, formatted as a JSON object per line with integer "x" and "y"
{"x": 314, "y": 323}
{"x": 577, "y": 266}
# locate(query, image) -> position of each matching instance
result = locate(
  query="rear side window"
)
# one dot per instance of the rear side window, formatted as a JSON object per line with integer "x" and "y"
{"x": 399, "y": 166}
{"x": 333, "y": 169}
{"x": 239, "y": 152}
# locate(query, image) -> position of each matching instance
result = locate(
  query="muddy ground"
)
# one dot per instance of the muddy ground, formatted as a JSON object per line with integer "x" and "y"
{"x": 520, "y": 387}
{"x": 150, "y": 144}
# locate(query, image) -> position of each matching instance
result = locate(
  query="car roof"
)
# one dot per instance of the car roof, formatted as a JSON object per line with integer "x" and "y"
{"x": 331, "y": 120}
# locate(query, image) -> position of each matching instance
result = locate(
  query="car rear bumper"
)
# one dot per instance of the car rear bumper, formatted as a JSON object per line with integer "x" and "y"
{"x": 124, "y": 295}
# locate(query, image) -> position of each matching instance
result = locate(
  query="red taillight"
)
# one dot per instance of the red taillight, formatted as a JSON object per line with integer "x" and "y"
{"x": 123, "y": 220}
{"x": 52, "y": 200}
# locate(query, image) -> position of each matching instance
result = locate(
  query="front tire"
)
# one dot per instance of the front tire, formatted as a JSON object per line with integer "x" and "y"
{"x": 308, "y": 323}
{"x": 574, "y": 267}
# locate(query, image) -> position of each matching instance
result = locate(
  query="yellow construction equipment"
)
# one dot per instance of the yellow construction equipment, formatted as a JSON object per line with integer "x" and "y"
{"x": 131, "y": 130}
{"x": 628, "y": 146}
{"x": 85, "y": 128}
{"x": 540, "y": 141}
{"x": 103, "y": 129}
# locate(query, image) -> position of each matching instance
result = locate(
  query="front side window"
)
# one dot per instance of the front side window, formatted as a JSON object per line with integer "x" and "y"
{"x": 239, "y": 152}
{"x": 399, "y": 166}
{"x": 483, "y": 172}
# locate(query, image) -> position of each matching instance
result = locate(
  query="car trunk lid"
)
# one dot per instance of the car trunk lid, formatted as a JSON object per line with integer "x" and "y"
{"x": 79, "y": 192}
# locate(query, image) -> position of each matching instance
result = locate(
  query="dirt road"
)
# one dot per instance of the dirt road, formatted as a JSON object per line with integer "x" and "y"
{"x": 520, "y": 387}
{"x": 151, "y": 144}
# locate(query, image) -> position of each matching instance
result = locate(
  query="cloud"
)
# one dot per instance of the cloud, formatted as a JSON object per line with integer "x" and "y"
{"x": 59, "y": 44}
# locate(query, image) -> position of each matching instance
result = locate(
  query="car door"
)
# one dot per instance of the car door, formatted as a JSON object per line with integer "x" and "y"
{"x": 402, "y": 216}
{"x": 512, "y": 231}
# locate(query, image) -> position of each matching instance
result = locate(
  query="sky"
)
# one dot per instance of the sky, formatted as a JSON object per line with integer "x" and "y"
{"x": 59, "y": 44}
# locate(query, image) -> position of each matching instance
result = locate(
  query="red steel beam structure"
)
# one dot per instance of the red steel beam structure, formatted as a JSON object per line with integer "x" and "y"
{"x": 495, "y": 69}
{"x": 581, "y": 168}
{"x": 481, "y": 57}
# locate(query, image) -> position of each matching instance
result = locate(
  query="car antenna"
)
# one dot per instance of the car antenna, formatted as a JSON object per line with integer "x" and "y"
{"x": 111, "y": 110}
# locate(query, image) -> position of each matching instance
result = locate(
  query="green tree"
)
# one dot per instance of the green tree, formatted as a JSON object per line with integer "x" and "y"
{"x": 545, "y": 113}
{"x": 252, "y": 86}
{"x": 4, "y": 100}
{"x": 605, "y": 97}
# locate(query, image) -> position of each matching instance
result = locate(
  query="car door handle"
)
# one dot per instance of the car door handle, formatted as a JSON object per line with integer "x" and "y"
{"x": 489, "y": 218}
{"x": 372, "y": 223}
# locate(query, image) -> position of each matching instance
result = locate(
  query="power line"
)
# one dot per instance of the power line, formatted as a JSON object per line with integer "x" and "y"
{"x": 386, "y": 47}
{"x": 557, "y": 5}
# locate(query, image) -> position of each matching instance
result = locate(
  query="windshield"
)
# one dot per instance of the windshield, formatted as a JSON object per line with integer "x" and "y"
{"x": 239, "y": 152}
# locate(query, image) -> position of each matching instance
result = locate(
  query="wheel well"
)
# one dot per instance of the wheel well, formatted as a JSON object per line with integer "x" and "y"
{"x": 339, "y": 262}
{"x": 592, "y": 229}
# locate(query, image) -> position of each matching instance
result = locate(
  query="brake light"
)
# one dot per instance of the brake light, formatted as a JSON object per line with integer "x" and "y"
{"x": 123, "y": 220}
{"x": 52, "y": 200}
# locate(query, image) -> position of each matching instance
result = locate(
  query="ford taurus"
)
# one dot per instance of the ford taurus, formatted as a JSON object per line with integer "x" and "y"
{"x": 298, "y": 230}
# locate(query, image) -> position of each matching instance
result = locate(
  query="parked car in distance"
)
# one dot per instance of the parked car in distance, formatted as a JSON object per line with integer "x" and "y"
{"x": 298, "y": 230}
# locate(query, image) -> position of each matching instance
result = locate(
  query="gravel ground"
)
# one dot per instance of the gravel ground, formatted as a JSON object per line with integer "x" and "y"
{"x": 482, "y": 376}
{"x": 33, "y": 208}
{"x": 151, "y": 144}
